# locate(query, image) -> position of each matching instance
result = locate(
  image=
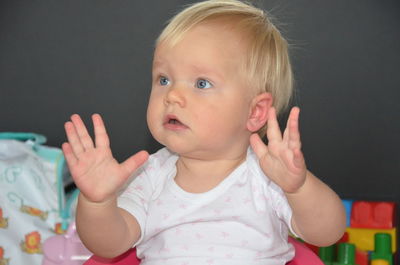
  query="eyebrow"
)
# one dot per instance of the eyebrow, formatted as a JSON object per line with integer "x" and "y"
{"x": 202, "y": 70}
{"x": 207, "y": 71}
{"x": 157, "y": 63}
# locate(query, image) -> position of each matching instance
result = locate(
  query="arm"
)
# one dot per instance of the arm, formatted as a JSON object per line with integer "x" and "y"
{"x": 105, "y": 229}
{"x": 318, "y": 213}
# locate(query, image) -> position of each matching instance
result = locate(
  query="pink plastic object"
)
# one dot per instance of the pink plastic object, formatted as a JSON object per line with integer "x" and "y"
{"x": 65, "y": 249}
{"x": 304, "y": 256}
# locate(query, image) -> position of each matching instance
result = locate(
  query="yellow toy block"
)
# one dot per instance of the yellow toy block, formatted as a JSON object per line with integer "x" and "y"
{"x": 379, "y": 262}
{"x": 363, "y": 238}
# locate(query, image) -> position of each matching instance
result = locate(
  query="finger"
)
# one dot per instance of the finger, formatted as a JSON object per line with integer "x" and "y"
{"x": 294, "y": 141}
{"x": 298, "y": 158}
{"x": 69, "y": 154}
{"x": 73, "y": 138}
{"x": 135, "y": 161}
{"x": 100, "y": 133}
{"x": 83, "y": 134}
{"x": 286, "y": 132}
{"x": 258, "y": 145}
{"x": 273, "y": 130}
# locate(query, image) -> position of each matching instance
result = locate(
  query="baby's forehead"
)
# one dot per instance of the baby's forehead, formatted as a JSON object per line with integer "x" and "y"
{"x": 213, "y": 39}
{"x": 220, "y": 25}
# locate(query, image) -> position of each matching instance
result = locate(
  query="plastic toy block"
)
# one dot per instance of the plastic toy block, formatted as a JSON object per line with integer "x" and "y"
{"x": 362, "y": 257}
{"x": 363, "y": 238}
{"x": 327, "y": 254}
{"x": 379, "y": 262}
{"x": 346, "y": 254}
{"x": 379, "y": 215}
{"x": 348, "y": 205}
{"x": 382, "y": 248}
{"x": 344, "y": 238}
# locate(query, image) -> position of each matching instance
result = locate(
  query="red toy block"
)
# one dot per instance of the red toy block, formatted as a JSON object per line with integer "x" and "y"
{"x": 345, "y": 238}
{"x": 362, "y": 257}
{"x": 379, "y": 215}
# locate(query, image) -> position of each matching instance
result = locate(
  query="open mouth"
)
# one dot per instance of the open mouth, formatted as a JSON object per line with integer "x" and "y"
{"x": 172, "y": 122}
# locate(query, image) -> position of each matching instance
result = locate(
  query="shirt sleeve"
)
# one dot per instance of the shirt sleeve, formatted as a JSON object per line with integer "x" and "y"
{"x": 281, "y": 205}
{"x": 134, "y": 198}
{"x": 144, "y": 185}
{"x": 278, "y": 202}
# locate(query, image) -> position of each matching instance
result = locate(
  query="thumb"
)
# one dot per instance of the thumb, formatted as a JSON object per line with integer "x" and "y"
{"x": 135, "y": 161}
{"x": 258, "y": 145}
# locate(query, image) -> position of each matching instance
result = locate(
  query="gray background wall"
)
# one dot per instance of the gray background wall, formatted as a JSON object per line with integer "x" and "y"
{"x": 64, "y": 57}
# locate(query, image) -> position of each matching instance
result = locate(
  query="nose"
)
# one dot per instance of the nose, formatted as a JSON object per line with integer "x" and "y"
{"x": 176, "y": 95}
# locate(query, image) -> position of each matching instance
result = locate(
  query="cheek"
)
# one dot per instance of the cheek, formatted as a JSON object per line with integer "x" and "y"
{"x": 152, "y": 112}
{"x": 222, "y": 118}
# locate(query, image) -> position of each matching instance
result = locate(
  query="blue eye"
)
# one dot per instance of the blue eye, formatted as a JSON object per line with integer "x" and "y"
{"x": 203, "y": 83}
{"x": 164, "y": 81}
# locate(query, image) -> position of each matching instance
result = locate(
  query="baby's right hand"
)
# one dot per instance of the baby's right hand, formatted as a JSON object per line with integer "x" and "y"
{"x": 95, "y": 171}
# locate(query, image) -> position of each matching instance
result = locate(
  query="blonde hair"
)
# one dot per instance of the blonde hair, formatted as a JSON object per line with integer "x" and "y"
{"x": 267, "y": 63}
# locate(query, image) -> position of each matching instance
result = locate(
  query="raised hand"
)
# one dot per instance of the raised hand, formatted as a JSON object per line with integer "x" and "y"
{"x": 282, "y": 160}
{"x": 95, "y": 171}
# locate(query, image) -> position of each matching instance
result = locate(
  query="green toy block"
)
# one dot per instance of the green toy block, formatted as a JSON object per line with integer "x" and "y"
{"x": 346, "y": 254}
{"x": 327, "y": 254}
{"x": 382, "y": 249}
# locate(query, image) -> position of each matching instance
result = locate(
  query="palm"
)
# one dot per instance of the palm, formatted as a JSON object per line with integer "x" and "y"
{"x": 282, "y": 160}
{"x": 97, "y": 174}
{"x": 94, "y": 169}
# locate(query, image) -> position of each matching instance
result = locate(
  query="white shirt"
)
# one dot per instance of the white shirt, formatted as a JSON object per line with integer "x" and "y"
{"x": 243, "y": 220}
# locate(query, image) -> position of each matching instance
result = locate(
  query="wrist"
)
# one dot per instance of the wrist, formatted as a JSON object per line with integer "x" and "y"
{"x": 302, "y": 186}
{"x": 82, "y": 199}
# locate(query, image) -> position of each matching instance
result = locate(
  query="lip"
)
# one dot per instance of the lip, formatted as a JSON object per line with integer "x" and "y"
{"x": 172, "y": 122}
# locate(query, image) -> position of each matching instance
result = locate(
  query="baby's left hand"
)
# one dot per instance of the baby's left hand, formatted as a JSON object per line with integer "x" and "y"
{"x": 282, "y": 160}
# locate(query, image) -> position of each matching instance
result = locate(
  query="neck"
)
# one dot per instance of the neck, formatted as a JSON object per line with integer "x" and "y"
{"x": 197, "y": 175}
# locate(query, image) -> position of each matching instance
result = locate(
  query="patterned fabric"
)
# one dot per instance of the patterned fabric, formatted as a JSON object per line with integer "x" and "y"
{"x": 243, "y": 220}
{"x": 29, "y": 200}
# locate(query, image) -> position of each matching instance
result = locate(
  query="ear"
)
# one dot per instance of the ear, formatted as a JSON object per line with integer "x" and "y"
{"x": 259, "y": 108}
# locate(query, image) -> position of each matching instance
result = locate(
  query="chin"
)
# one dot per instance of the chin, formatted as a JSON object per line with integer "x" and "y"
{"x": 180, "y": 150}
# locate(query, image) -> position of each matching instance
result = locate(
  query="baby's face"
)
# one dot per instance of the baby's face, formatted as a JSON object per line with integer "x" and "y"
{"x": 199, "y": 103}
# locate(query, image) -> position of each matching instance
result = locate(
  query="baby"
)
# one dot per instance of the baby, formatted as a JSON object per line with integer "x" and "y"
{"x": 216, "y": 194}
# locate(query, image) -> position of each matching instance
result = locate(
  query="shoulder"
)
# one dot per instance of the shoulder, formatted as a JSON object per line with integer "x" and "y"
{"x": 265, "y": 188}
{"x": 254, "y": 168}
{"x": 163, "y": 161}
{"x": 155, "y": 170}
{"x": 162, "y": 157}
